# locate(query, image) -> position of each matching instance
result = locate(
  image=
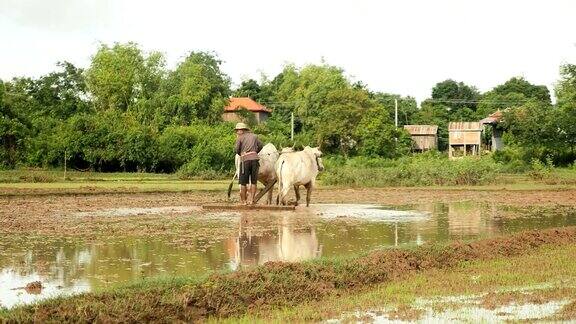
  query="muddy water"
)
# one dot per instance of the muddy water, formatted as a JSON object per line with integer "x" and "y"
{"x": 468, "y": 309}
{"x": 66, "y": 266}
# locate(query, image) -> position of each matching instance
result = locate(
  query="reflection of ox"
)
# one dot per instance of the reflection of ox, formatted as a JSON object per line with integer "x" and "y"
{"x": 286, "y": 243}
{"x": 298, "y": 169}
{"x": 266, "y": 173}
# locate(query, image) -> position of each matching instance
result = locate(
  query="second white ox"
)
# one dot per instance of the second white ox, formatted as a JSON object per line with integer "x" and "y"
{"x": 298, "y": 169}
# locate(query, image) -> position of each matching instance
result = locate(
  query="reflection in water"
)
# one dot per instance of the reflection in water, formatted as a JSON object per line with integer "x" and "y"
{"x": 66, "y": 267}
{"x": 285, "y": 242}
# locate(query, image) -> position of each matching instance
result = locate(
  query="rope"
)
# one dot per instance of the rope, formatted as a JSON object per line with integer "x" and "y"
{"x": 82, "y": 170}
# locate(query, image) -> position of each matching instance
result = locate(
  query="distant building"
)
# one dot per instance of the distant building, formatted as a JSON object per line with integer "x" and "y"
{"x": 424, "y": 137}
{"x": 232, "y": 112}
{"x": 493, "y": 120}
{"x": 464, "y": 138}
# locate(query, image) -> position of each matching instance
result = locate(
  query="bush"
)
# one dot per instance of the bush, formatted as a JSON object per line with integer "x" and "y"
{"x": 419, "y": 170}
{"x": 175, "y": 146}
{"x": 213, "y": 151}
{"x": 541, "y": 171}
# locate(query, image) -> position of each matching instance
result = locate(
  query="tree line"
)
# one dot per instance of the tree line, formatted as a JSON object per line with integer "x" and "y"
{"x": 127, "y": 112}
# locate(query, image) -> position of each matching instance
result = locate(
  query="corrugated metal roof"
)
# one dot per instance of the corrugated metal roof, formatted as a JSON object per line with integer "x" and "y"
{"x": 421, "y": 129}
{"x": 493, "y": 118}
{"x": 464, "y": 126}
{"x": 246, "y": 103}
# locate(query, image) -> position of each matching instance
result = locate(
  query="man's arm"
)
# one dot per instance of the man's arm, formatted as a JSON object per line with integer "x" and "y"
{"x": 238, "y": 146}
{"x": 259, "y": 145}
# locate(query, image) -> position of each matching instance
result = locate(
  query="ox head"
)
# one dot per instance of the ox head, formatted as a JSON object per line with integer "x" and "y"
{"x": 315, "y": 151}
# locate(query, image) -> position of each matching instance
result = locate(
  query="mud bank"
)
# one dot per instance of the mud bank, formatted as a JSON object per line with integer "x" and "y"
{"x": 276, "y": 284}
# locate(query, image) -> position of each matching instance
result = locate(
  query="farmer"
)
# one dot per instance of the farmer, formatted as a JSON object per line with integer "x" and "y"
{"x": 247, "y": 146}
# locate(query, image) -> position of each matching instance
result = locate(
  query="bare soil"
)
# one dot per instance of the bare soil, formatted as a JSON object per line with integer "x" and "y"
{"x": 405, "y": 313}
{"x": 568, "y": 312}
{"x": 77, "y": 216}
{"x": 56, "y": 214}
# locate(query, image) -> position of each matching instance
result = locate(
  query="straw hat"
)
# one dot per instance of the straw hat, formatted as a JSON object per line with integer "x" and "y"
{"x": 241, "y": 126}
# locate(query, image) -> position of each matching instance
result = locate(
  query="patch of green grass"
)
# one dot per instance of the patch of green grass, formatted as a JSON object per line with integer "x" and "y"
{"x": 28, "y": 175}
{"x": 86, "y": 187}
{"x": 125, "y": 183}
{"x": 52, "y": 181}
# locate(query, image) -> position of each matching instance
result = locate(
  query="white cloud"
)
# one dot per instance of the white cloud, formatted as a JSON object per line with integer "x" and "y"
{"x": 56, "y": 15}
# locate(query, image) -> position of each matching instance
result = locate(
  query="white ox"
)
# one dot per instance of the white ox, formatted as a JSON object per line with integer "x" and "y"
{"x": 266, "y": 173}
{"x": 298, "y": 169}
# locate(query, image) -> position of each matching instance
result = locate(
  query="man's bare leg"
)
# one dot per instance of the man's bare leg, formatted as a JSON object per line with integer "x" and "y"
{"x": 253, "y": 189}
{"x": 243, "y": 193}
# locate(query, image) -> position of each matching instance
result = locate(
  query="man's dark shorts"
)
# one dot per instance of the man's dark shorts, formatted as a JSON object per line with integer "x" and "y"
{"x": 248, "y": 172}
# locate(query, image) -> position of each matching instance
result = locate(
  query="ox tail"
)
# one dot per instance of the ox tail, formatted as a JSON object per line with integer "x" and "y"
{"x": 279, "y": 175}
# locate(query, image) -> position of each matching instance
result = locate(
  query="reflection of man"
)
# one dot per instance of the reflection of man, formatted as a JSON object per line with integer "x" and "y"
{"x": 258, "y": 243}
{"x": 247, "y": 146}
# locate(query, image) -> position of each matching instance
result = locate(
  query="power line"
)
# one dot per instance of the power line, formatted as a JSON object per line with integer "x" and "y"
{"x": 391, "y": 100}
{"x": 475, "y": 101}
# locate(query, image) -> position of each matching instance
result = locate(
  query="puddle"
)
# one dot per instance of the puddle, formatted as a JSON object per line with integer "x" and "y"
{"x": 470, "y": 314}
{"x": 71, "y": 266}
{"x": 463, "y": 309}
{"x": 373, "y": 213}
{"x": 12, "y": 289}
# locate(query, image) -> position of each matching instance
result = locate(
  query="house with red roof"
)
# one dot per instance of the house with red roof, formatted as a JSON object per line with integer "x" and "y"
{"x": 239, "y": 106}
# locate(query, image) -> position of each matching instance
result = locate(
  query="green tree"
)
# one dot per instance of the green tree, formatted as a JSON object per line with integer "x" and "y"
{"x": 306, "y": 91}
{"x": 455, "y": 95}
{"x": 121, "y": 75}
{"x": 338, "y": 119}
{"x": 14, "y": 123}
{"x": 407, "y": 106}
{"x": 566, "y": 114}
{"x": 512, "y": 93}
{"x": 196, "y": 91}
{"x": 62, "y": 93}
{"x": 378, "y": 136}
{"x": 533, "y": 128}
{"x": 139, "y": 146}
{"x": 566, "y": 87}
{"x": 249, "y": 88}
{"x": 268, "y": 93}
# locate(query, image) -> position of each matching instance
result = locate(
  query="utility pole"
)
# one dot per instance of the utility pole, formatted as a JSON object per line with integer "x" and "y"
{"x": 292, "y": 128}
{"x": 396, "y": 112}
{"x": 65, "y": 158}
{"x": 396, "y": 116}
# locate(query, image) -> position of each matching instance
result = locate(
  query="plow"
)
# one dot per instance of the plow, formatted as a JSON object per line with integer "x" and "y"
{"x": 259, "y": 195}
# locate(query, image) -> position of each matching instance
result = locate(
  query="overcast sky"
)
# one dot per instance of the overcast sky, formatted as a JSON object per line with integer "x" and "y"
{"x": 400, "y": 47}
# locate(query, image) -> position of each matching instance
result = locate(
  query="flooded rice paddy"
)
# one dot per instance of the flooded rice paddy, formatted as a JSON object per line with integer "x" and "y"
{"x": 469, "y": 313}
{"x": 465, "y": 309}
{"x": 67, "y": 265}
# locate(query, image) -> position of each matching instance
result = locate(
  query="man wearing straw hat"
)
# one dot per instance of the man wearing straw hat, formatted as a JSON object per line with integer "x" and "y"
{"x": 247, "y": 146}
